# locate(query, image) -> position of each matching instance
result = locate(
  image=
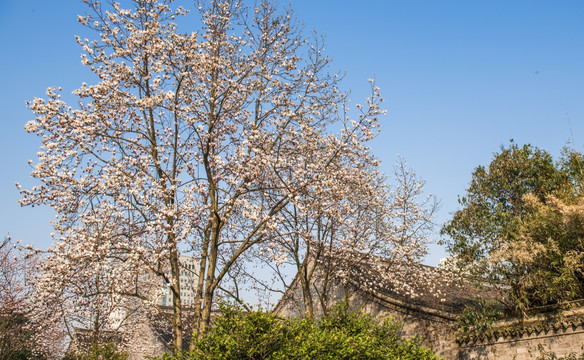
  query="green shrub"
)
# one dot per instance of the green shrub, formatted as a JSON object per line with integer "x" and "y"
{"x": 240, "y": 335}
{"x": 478, "y": 318}
{"x": 106, "y": 351}
{"x": 341, "y": 335}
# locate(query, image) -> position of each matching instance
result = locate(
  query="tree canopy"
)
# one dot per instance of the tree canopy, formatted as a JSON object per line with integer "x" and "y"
{"x": 518, "y": 226}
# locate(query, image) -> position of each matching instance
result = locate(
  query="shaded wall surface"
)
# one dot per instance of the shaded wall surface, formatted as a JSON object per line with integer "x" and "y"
{"x": 561, "y": 342}
{"x": 560, "y": 333}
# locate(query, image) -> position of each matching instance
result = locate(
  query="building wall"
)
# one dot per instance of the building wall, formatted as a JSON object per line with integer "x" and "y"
{"x": 561, "y": 337}
{"x": 188, "y": 281}
{"x": 145, "y": 341}
{"x": 562, "y": 341}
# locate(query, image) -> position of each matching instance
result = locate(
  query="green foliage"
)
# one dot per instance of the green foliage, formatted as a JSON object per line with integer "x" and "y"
{"x": 493, "y": 205}
{"x": 240, "y": 335}
{"x": 478, "y": 318}
{"x": 342, "y": 334}
{"x": 553, "y": 234}
{"x": 106, "y": 351}
{"x": 516, "y": 227}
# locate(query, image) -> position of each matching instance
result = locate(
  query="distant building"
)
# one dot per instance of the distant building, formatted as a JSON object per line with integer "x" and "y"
{"x": 140, "y": 329}
{"x": 146, "y": 335}
{"x": 188, "y": 281}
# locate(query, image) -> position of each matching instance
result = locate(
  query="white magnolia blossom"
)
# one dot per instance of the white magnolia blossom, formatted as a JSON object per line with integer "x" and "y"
{"x": 188, "y": 141}
{"x": 360, "y": 233}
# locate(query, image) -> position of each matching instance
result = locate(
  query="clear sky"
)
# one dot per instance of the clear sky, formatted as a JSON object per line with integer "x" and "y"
{"x": 460, "y": 78}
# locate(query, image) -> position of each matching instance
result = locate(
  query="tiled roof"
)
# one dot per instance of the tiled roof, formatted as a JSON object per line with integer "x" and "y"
{"x": 430, "y": 288}
{"x": 413, "y": 286}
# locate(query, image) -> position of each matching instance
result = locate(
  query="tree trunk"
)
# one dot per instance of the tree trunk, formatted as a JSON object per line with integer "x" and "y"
{"x": 176, "y": 300}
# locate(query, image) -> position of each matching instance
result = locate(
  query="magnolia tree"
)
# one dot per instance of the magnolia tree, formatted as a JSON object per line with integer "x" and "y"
{"x": 196, "y": 140}
{"x": 364, "y": 235}
{"x": 87, "y": 281}
{"x": 24, "y": 328}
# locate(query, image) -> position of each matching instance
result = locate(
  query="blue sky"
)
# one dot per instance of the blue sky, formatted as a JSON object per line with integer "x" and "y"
{"x": 460, "y": 79}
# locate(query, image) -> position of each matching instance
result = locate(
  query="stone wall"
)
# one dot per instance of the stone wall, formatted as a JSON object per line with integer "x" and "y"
{"x": 562, "y": 341}
{"x": 435, "y": 330}
{"x": 556, "y": 331}
{"x": 560, "y": 332}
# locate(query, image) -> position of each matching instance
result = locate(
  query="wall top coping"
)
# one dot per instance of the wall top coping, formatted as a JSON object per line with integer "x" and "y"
{"x": 517, "y": 327}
